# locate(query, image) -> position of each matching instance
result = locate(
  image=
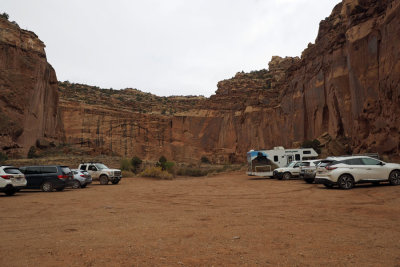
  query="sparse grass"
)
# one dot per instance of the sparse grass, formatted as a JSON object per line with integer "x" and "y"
{"x": 156, "y": 172}
{"x": 127, "y": 174}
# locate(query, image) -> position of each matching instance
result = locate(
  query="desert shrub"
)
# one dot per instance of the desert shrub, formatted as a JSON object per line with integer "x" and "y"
{"x": 170, "y": 167}
{"x": 192, "y": 172}
{"x": 125, "y": 165}
{"x": 136, "y": 163}
{"x": 3, "y": 157}
{"x": 32, "y": 153}
{"x": 156, "y": 172}
{"x": 4, "y": 15}
{"x": 127, "y": 174}
{"x": 204, "y": 159}
{"x": 312, "y": 144}
{"x": 162, "y": 162}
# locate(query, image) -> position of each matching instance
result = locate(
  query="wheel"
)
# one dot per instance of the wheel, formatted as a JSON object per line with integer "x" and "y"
{"x": 286, "y": 176}
{"x": 346, "y": 182}
{"x": 10, "y": 192}
{"x": 76, "y": 184}
{"x": 60, "y": 189}
{"x": 394, "y": 177}
{"x": 47, "y": 187}
{"x": 309, "y": 180}
{"x": 103, "y": 179}
{"x": 115, "y": 182}
{"x": 328, "y": 185}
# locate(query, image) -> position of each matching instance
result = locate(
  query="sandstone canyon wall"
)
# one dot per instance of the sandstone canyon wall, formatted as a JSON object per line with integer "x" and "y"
{"x": 28, "y": 92}
{"x": 345, "y": 86}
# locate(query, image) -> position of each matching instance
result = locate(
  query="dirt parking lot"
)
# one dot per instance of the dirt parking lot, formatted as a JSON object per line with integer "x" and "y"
{"x": 226, "y": 220}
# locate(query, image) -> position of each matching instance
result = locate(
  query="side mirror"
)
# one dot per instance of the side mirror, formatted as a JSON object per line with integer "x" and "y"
{"x": 382, "y": 163}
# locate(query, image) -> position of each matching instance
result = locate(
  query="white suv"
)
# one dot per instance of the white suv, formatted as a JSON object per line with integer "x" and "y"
{"x": 291, "y": 170}
{"x": 347, "y": 171}
{"x": 11, "y": 180}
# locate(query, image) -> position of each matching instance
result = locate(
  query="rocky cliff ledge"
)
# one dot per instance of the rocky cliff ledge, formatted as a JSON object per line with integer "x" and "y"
{"x": 345, "y": 86}
{"x": 28, "y": 92}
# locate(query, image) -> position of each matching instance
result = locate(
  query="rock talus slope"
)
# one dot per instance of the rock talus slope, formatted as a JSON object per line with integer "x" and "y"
{"x": 28, "y": 92}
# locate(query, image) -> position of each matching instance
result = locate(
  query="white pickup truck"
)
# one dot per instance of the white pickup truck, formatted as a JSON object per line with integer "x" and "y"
{"x": 101, "y": 172}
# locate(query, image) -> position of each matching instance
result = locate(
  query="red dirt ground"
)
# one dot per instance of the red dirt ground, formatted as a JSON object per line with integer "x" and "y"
{"x": 225, "y": 220}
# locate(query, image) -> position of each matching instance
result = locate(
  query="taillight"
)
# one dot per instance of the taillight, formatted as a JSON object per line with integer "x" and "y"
{"x": 82, "y": 175}
{"x": 6, "y": 176}
{"x": 329, "y": 168}
{"x": 63, "y": 177}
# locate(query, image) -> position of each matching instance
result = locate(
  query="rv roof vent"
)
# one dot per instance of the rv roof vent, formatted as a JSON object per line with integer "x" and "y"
{"x": 279, "y": 148}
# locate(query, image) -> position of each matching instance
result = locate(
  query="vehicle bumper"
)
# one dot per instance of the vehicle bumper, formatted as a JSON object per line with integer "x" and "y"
{"x": 307, "y": 175}
{"x": 11, "y": 187}
{"x": 115, "y": 178}
{"x": 320, "y": 180}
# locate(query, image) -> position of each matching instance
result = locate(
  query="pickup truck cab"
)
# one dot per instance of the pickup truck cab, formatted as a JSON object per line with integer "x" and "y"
{"x": 101, "y": 172}
{"x": 292, "y": 170}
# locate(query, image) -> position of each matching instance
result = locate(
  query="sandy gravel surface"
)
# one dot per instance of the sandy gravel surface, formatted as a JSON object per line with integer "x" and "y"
{"x": 226, "y": 220}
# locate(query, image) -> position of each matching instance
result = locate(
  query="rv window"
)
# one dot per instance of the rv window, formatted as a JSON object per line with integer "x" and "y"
{"x": 297, "y": 156}
{"x": 276, "y": 158}
{"x": 307, "y": 152}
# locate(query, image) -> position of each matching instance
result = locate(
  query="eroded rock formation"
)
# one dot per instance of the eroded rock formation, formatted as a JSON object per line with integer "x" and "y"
{"x": 28, "y": 92}
{"x": 344, "y": 88}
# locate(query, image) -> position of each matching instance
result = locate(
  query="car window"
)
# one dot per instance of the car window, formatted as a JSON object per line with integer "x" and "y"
{"x": 316, "y": 162}
{"x": 305, "y": 164}
{"x": 65, "y": 170}
{"x": 47, "y": 169}
{"x": 92, "y": 168}
{"x": 369, "y": 161}
{"x": 327, "y": 162}
{"x": 356, "y": 161}
{"x": 83, "y": 167}
{"x": 32, "y": 170}
{"x": 12, "y": 171}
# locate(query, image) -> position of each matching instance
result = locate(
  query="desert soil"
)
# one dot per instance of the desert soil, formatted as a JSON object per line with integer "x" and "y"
{"x": 225, "y": 220}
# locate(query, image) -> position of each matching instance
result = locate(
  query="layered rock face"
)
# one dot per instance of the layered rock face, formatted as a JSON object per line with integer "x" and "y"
{"x": 28, "y": 92}
{"x": 345, "y": 86}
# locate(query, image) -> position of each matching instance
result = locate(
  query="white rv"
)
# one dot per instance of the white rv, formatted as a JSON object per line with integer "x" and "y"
{"x": 263, "y": 162}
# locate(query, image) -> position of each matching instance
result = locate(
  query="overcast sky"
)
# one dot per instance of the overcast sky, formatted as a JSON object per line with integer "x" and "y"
{"x": 167, "y": 47}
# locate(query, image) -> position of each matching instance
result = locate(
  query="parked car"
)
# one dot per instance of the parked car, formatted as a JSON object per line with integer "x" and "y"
{"x": 291, "y": 170}
{"x": 11, "y": 180}
{"x": 81, "y": 179}
{"x": 101, "y": 172}
{"x": 348, "y": 171}
{"x": 47, "y": 178}
{"x": 308, "y": 170}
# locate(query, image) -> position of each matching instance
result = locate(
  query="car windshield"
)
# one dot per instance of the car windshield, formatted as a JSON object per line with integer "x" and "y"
{"x": 291, "y": 164}
{"x": 101, "y": 166}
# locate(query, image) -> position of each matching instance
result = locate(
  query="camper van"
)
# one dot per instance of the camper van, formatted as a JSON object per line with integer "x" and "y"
{"x": 263, "y": 162}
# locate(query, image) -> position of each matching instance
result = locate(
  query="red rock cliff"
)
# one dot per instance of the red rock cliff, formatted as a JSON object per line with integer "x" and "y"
{"x": 28, "y": 92}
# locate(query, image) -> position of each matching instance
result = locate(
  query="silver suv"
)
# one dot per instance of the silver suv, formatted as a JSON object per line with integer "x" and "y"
{"x": 11, "y": 180}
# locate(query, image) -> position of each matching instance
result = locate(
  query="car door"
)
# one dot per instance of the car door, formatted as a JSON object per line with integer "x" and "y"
{"x": 93, "y": 171}
{"x": 296, "y": 169}
{"x": 33, "y": 177}
{"x": 375, "y": 170}
{"x": 356, "y": 168}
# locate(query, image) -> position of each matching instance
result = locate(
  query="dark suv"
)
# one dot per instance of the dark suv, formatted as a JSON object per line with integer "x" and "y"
{"x": 47, "y": 178}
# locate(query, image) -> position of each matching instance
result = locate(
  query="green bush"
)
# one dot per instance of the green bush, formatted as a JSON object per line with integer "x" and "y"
{"x": 136, "y": 163}
{"x": 204, "y": 159}
{"x": 156, "y": 172}
{"x": 32, "y": 153}
{"x": 162, "y": 163}
{"x": 3, "y": 157}
{"x": 5, "y": 16}
{"x": 125, "y": 165}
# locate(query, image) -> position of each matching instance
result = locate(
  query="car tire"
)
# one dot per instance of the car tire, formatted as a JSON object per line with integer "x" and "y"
{"x": 394, "y": 177}
{"x": 115, "y": 182}
{"x": 76, "y": 184}
{"x": 346, "y": 182}
{"x": 309, "y": 180}
{"x": 10, "y": 192}
{"x": 103, "y": 179}
{"x": 328, "y": 185}
{"x": 286, "y": 176}
{"x": 47, "y": 187}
